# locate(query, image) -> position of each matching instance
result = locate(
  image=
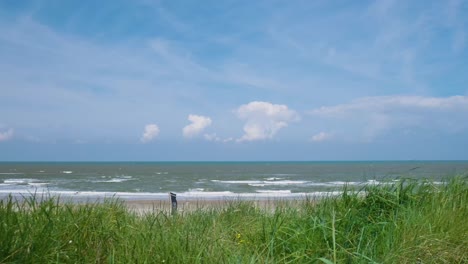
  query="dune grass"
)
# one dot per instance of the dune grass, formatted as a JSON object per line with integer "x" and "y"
{"x": 400, "y": 222}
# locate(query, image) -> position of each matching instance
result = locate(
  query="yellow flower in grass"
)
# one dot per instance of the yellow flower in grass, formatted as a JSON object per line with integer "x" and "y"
{"x": 238, "y": 238}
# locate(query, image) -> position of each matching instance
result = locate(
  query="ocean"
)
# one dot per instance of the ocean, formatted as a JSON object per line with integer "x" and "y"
{"x": 210, "y": 180}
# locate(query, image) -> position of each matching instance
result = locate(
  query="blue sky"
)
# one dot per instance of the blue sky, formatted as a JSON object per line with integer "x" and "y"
{"x": 233, "y": 80}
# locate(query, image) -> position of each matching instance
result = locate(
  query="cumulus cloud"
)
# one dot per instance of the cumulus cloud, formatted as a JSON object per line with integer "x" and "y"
{"x": 150, "y": 133}
{"x": 369, "y": 117}
{"x": 264, "y": 119}
{"x": 322, "y": 136}
{"x": 7, "y": 135}
{"x": 199, "y": 123}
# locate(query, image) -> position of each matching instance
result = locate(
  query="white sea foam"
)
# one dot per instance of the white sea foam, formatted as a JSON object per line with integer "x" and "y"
{"x": 333, "y": 183}
{"x": 67, "y": 172}
{"x": 338, "y": 183}
{"x": 87, "y": 196}
{"x": 273, "y": 183}
{"x": 238, "y": 182}
{"x": 11, "y": 173}
{"x": 263, "y": 183}
{"x": 273, "y": 179}
{"x": 283, "y": 174}
{"x": 284, "y": 182}
{"x": 19, "y": 181}
{"x": 205, "y": 194}
{"x": 345, "y": 183}
{"x": 273, "y": 191}
{"x": 114, "y": 180}
{"x": 196, "y": 190}
{"x": 38, "y": 183}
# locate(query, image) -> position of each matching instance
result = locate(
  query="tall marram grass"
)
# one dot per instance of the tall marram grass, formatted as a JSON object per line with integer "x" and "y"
{"x": 399, "y": 222}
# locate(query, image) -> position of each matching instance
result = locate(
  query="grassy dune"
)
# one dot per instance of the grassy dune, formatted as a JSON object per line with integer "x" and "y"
{"x": 404, "y": 222}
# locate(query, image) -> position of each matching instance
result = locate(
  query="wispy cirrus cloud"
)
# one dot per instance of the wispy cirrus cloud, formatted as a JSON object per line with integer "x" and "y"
{"x": 388, "y": 104}
{"x": 456, "y": 20}
{"x": 6, "y": 135}
{"x": 102, "y": 76}
{"x": 215, "y": 138}
{"x": 67, "y": 75}
{"x": 369, "y": 117}
{"x": 397, "y": 48}
{"x": 322, "y": 136}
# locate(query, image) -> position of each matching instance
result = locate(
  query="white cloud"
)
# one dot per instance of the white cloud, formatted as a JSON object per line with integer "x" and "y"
{"x": 7, "y": 135}
{"x": 212, "y": 137}
{"x": 264, "y": 119}
{"x": 199, "y": 123}
{"x": 322, "y": 136}
{"x": 119, "y": 70}
{"x": 180, "y": 60}
{"x": 150, "y": 133}
{"x": 369, "y": 117}
{"x": 216, "y": 138}
{"x": 388, "y": 104}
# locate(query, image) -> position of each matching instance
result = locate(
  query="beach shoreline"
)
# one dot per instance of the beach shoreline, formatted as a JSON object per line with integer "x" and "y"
{"x": 386, "y": 220}
{"x": 162, "y": 203}
{"x": 191, "y": 205}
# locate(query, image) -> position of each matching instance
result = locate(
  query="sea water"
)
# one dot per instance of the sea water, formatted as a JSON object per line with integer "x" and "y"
{"x": 210, "y": 180}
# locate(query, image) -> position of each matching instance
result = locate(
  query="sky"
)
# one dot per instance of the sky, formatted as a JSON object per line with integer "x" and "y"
{"x": 222, "y": 80}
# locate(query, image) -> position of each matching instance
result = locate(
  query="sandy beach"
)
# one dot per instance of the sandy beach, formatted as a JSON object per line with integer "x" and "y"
{"x": 190, "y": 205}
